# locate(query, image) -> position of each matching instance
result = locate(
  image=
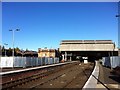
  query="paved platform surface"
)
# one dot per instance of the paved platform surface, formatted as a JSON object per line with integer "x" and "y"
{"x": 110, "y": 81}
{"x": 102, "y": 79}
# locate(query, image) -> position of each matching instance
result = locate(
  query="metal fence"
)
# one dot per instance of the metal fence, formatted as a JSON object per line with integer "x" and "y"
{"x": 115, "y": 61}
{"x": 106, "y": 61}
{"x": 26, "y": 61}
{"x": 19, "y": 62}
{"x": 112, "y": 61}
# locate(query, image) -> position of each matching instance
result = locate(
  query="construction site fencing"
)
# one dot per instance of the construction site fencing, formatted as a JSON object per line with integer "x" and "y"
{"x": 8, "y": 62}
{"x": 112, "y": 61}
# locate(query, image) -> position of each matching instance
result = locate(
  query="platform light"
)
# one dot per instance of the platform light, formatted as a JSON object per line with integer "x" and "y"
{"x": 13, "y": 39}
{"x": 5, "y": 48}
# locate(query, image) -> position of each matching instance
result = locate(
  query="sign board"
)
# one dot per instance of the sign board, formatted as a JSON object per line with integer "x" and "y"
{"x": 85, "y": 57}
{"x": 69, "y": 54}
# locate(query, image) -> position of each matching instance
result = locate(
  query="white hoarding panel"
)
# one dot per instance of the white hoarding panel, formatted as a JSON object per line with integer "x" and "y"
{"x": 6, "y": 62}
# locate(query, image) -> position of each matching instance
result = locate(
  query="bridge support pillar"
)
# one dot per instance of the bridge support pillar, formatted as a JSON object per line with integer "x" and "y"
{"x": 70, "y": 58}
{"x": 65, "y": 56}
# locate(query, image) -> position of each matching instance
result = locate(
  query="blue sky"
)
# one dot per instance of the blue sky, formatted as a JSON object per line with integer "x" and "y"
{"x": 46, "y": 24}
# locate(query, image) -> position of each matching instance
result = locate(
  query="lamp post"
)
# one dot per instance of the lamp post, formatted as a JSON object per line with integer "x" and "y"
{"x": 13, "y": 39}
{"x": 118, "y": 30}
{"x": 5, "y": 48}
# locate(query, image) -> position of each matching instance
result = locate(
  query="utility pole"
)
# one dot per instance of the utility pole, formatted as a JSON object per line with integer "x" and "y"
{"x": 13, "y": 42}
{"x": 13, "y": 39}
{"x": 5, "y": 48}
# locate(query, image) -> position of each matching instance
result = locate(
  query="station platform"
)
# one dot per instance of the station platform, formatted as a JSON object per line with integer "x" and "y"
{"x": 107, "y": 80}
{"x": 102, "y": 79}
{"x": 17, "y": 70}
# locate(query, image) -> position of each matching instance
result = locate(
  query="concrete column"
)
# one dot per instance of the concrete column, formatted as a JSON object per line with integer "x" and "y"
{"x": 118, "y": 52}
{"x": 65, "y": 56}
{"x": 109, "y": 54}
{"x": 70, "y": 58}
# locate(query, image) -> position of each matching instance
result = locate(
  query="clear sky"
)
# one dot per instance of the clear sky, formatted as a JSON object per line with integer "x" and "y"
{"x": 46, "y": 24}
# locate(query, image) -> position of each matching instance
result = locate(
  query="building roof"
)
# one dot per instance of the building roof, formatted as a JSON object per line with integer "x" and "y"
{"x": 86, "y": 42}
{"x": 46, "y": 50}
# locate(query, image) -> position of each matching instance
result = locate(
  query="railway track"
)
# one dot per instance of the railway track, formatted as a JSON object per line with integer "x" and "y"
{"x": 22, "y": 81}
{"x": 69, "y": 82}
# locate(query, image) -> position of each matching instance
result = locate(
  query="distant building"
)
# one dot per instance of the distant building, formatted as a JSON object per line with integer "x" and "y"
{"x": 27, "y": 53}
{"x": 119, "y": 52}
{"x": 30, "y": 54}
{"x": 47, "y": 52}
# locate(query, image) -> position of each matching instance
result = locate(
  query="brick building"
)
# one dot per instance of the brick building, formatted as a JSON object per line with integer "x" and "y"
{"x": 47, "y": 52}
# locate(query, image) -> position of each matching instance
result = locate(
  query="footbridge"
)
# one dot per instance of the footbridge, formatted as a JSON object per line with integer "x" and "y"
{"x": 90, "y": 49}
